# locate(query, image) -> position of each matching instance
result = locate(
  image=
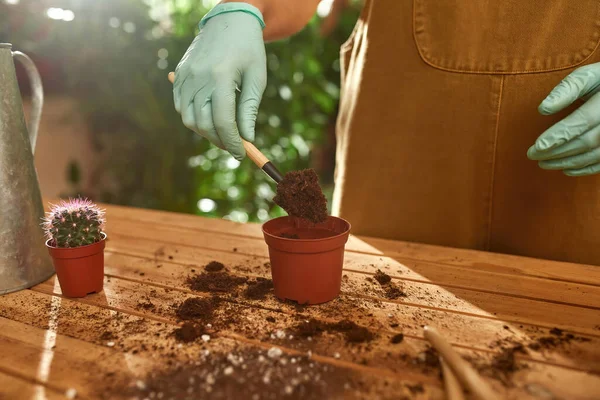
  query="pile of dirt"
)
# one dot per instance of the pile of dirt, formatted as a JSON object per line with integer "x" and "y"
{"x": 258, "y": 374}
{"x": 300, "y": 195}
{"x": 211, "y": 282}
{"x": 189, "y": 332}
{"x": 214, "y": 266}
{"x": 258, "y": 289}
{"x": 352, "y": 332}
{"x": 198, "y": 309}
{"x": 392, "y": 290}
{"x": 382, "y": 277}
{"x": 397, "y": 338}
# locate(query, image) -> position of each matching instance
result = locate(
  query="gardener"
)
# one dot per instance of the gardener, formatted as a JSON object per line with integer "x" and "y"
{"x": 444, "y": 106}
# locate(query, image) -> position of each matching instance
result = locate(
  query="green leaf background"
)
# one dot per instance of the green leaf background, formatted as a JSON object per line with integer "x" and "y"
{"x": 151, "y": 160}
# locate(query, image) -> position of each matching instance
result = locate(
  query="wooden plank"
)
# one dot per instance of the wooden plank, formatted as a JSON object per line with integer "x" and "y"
{"x": 449, "y": 277}
{"x": 491, "y": 306}
{"x": 72, "y": 364}
{"x": 401, "y": 251}
{"x": 140, "y": 346}
{"x": 377, "y": 354}
{"x": 462, "y": 330}
{"x": 126, "y": 287}
{"x": 467, "y": 330}
{"x": 14, "y": 388}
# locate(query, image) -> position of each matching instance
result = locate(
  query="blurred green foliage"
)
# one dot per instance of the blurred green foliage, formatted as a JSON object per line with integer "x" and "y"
{"x": 114, "y": 57}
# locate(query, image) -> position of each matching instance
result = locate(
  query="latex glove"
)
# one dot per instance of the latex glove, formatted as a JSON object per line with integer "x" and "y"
{"x": 227, "y": 54}
{"x": 572, "y": 144}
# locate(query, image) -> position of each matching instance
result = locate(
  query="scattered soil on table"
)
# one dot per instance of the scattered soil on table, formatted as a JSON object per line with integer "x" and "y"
{"x": 199, "y": 309}
{"x": 557, "y": 338}
{"x": 220, "y": 281}
{"x": 416, "y": 389}
{"x": 392, "y": 290}
{"x": 146, "y": 305}
{"x": 300, "y": 195}
{"x": 397, "y": 338}
{"x": 352, "y": 332}
{"x": 107, "y": 335}
{"x": 254, "y": 373}
{"x": 504, "y": 364}
{"x": 214, "y": 266}
{"x": 159, "y": 252}
{"x": 429, "y": 359}
{"x": 188, "y": 332}
{"x": 382, "y": 277}
{"x": 258, "y": 289}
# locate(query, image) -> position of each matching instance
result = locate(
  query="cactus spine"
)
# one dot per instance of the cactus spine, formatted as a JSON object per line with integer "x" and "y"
{"x": 74, "y": 223}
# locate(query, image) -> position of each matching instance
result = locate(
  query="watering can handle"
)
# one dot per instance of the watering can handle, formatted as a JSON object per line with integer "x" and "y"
{"x": 37, "y": 95}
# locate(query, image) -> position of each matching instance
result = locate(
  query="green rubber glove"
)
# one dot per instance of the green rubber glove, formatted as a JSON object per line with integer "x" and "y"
{"x": 572, "y": 144}
{"x": 227, "y": 54}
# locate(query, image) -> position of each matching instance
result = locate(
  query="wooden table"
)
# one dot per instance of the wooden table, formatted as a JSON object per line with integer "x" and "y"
{"x": 120, "y": 341}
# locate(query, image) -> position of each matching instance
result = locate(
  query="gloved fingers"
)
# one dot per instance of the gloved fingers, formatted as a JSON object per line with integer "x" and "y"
{"x": 573, "y": 162}
{"x": 575, "y": 124}
{"x": 179, "y": 80}
{"x": 190, "y": 88}
{"x": 204, "y": 119}
{"x": 589, "y": 170}
{"x": 188, "y": 118}
{"x": 579, "y": 145}
{"x": 223, "y": 110}
{"x": 254, "y": 82}
{"x": 578, "y": 84}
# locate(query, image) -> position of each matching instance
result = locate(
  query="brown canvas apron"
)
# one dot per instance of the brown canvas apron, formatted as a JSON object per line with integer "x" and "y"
{"x": 439, "y": 106}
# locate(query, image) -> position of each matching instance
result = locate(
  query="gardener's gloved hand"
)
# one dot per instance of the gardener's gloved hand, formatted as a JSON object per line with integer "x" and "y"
{"x": 228, "y": 53}
{"x": 572, "y": 144}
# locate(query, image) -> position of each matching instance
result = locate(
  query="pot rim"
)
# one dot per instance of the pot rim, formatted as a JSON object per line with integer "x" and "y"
{"x": 346, "y": 232}
{"x": 78, "y": 247}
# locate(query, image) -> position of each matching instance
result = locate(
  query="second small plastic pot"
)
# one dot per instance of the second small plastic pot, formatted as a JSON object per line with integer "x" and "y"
{"x": 308, "y": 271}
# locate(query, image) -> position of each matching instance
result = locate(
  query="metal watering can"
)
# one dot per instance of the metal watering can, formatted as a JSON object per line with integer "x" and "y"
{"x": 24, "y": 259}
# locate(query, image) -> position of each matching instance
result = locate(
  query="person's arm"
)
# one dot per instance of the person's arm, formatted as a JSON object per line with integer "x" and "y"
{"x": 283, "y": 18}
{"x": 228, "y": 54}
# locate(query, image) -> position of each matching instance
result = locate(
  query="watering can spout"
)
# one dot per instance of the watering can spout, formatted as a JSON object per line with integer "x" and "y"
{"x": 24, "y": 260}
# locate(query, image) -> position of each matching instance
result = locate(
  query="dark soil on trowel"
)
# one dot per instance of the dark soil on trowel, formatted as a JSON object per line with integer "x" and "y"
{"x": 300, "y": 195}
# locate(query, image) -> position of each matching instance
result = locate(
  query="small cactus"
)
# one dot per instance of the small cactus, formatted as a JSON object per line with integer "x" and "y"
{"x": 74, "y": 223}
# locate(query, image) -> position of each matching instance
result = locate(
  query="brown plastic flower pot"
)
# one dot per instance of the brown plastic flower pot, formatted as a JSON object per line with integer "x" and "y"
{"x": 306, "y": 266}
{"x": 80, "y": 270}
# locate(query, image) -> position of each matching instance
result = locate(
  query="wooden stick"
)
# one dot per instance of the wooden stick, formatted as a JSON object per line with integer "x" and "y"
{"x": 453, "y": 389}
{"x": 462, "y": 369}
{"x": 253, "y": 153}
